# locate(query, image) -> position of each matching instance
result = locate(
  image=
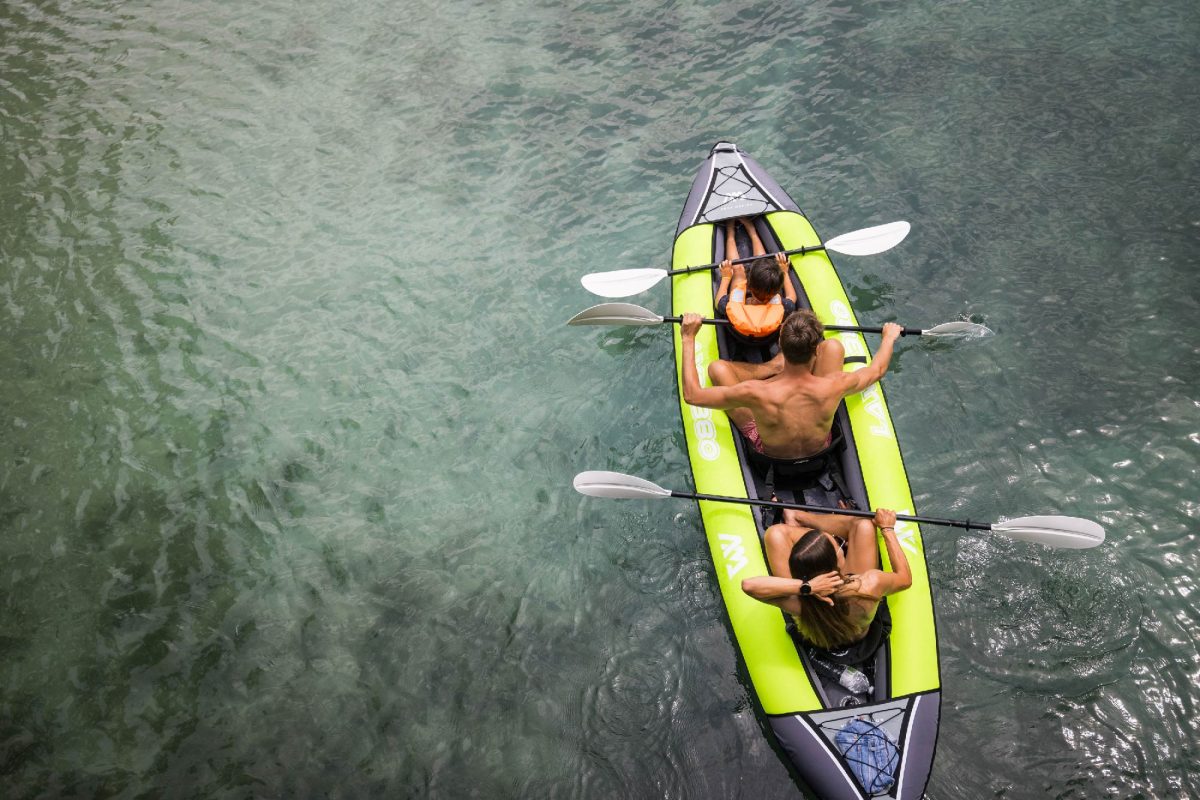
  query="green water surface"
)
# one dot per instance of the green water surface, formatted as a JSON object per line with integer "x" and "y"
{"x": 288, "y": 412}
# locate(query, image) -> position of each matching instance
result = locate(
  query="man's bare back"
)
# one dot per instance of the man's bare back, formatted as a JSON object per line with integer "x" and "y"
{"x": 791, "y": 412}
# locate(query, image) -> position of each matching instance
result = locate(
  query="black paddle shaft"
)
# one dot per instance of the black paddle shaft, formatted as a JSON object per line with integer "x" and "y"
{"x": 873, "y": 329}
{"x": 797, "y": 251}
{"x": 853, "y": 512}
{"x": 859, "y": 328}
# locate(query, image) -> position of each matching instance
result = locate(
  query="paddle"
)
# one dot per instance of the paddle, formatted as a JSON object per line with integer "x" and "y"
{"x": 865, "y": 242}
{"x": 1053, "y": 531}
{"x": 629, "y": 314}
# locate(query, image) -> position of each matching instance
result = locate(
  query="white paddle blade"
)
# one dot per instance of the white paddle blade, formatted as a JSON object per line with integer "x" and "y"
{"x": 598, "y": 483}
{"x": 622, "y": 282}
{"x": 1069, "y": 532}
{"x": 616, "y": 314}
{"x": 869, "y": 241}
{"x": 959, "y": 330}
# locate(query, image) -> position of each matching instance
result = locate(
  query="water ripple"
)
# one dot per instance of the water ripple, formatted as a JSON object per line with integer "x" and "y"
{"x": 288, "y": 410}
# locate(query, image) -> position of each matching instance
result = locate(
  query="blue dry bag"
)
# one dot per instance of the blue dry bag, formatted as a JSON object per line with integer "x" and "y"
{"x": 871, "y": 753}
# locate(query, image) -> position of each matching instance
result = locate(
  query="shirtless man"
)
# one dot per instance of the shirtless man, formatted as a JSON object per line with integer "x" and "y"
{"x": 790, "y": 413}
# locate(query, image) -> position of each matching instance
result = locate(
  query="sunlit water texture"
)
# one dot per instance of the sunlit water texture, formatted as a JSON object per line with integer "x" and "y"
{"x": 289, "y": 412}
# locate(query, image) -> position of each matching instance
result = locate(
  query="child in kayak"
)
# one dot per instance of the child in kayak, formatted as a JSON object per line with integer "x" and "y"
{"x": 754, "y": 301}
{"x": 832, "y": 596}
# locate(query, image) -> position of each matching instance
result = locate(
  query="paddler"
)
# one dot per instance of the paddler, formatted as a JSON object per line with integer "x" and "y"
{"x": 790, "y": 413}
{"x": 831, "y": 594}
{"x": 756, "y": 301}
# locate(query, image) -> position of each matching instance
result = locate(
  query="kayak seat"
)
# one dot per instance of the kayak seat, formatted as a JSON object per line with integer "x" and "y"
{"x": 785, "y": 478}
{"x": 791, "y": 471}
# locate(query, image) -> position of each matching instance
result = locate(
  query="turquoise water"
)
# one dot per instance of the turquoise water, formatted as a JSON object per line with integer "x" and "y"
{"x": 288, "y": 413}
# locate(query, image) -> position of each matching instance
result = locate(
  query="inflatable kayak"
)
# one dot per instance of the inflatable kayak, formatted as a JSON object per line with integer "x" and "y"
{"x": 870, "y": 730}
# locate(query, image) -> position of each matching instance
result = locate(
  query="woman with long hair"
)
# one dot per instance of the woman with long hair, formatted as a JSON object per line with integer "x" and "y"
{"x": 831, "y": 594}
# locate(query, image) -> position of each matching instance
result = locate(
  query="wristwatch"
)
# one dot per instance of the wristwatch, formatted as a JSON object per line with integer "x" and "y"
{"x": 805, "y": 588}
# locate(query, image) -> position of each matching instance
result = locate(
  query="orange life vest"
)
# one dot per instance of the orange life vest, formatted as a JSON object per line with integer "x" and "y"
{"x": 756, "y": 320}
